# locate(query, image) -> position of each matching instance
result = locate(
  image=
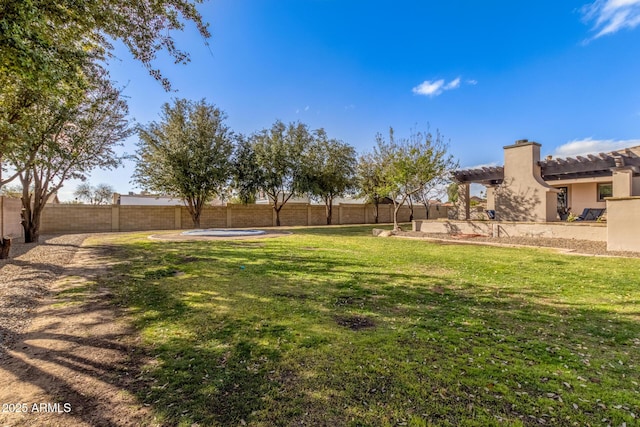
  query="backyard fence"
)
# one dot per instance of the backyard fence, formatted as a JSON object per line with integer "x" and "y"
{"x": 88, "y": 218}
{"x": 10, "y": 219}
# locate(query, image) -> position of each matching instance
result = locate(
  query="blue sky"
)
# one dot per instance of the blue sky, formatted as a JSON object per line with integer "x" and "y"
{"x": 562, "y": 73}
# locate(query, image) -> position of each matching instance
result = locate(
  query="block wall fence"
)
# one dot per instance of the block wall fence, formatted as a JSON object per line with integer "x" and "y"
{"x": 87, "y": 218}
{"x": 10, "y": 220}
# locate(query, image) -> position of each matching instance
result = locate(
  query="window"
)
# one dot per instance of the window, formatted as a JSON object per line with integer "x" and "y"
{"x": 605, "y": 190}
{"x": 563, "y": 202}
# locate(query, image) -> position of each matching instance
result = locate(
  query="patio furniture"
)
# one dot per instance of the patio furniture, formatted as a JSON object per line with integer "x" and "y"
{"x": 491, "y": 214}
{"x": 591, "y": 214}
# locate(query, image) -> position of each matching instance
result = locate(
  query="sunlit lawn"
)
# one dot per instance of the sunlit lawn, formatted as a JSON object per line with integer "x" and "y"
{"x": 330, "y": 326}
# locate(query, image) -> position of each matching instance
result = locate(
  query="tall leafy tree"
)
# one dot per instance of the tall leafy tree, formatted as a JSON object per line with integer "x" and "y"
{"x": 409, "y": 165}
{"x": 247, "y": 175}
{"x": 278, "y": 168}
{"x": 46, "y": 40}
{"x": 369, "y": 182}
{"x": 47, "y": 45}
{"x": 72, "y": 138}
{"x": 187, "y": 155}
{"x": 329, "y": 170}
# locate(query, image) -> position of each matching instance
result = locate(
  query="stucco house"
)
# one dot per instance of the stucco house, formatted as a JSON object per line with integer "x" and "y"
{"x": 527, "y": 188}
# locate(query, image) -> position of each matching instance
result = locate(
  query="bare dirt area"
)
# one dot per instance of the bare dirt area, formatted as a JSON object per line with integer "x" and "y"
{"x": 65, "y": 358}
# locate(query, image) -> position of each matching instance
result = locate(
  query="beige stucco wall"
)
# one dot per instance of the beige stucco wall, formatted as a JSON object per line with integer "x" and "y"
{"x": 10, "y": 220}
{"x": 523, "y": 195}
{"x": 623, "y": 224}
{"x": 562, "y": 230}
{"x": 584, "y": 195}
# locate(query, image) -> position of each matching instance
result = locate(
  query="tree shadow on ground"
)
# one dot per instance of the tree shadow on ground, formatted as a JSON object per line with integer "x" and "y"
{"x": 228, "y": 361}
{"x": 264, "y": 344}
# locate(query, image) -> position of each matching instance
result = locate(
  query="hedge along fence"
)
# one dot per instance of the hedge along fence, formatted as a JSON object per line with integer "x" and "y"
{"x": 89, "y": 218}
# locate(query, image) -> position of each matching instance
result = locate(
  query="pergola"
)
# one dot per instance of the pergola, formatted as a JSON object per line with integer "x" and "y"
{"x": 588, "y": 166}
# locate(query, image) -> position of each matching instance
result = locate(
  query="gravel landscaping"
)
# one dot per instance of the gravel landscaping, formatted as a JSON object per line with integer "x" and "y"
{"x": 573, "y": 246}
{"x": 25, "y": 278}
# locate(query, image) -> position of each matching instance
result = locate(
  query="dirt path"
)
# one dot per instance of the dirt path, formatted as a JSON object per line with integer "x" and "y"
{"x": 76, "y": 364}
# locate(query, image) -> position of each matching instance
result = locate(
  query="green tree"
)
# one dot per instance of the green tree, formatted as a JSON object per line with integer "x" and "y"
{"x": 278, "y": 168}
{"x": 47, "y": 46}
{"x": 102, "y": 194}
{"x": 187, "y": 155}
{"x": 453, "y": 192}
{"x": 43, "y": 41}
{"x": 329, "y": 170}
{"x": 408, "y": 165}
{"x": 73, "y": 138}
{"x": 369, "y": 181}
{"x": 247, "y": 176}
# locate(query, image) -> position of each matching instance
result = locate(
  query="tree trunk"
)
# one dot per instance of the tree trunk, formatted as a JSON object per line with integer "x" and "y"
{"x": 410, "y": 209}
{"x": 329, "y": 210}
{"x": 30, "y": 212}
{"x": 31, "y": 231}
{"x": 396, "y": 208}
{"x": 195, "y": 216}
{"x": 277, "y": 215}
{"x": 195, "y": 210}
{"x": 30, "y": 221}
{"x": 376, "y": 205}
{"x": 5, "y": 246}
{"x": 196, "y": 221}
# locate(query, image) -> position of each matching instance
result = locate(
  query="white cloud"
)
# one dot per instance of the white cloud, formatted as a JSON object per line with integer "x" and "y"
{"x": 433, "y": 88}
{"x": 429, "y": 88}
{"x": 471, "y": 82}
{"x": 453, "y": 84}
{"x": 610, "y": 16}
{"x": 593, "y": 146}
{"x": 306, "y": 108}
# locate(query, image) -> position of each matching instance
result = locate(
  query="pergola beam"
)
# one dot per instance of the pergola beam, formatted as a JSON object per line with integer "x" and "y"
{"x": 590, "y": 166}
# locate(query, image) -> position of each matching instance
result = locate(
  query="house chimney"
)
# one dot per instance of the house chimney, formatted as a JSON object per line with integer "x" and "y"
{"x": 524, "y": 195}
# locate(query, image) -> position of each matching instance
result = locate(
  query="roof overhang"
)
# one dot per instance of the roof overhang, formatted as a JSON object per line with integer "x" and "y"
{"x": 561, "y": 169}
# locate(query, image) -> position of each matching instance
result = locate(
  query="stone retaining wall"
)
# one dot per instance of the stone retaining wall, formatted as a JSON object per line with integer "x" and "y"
{"x": 594, "y": 231}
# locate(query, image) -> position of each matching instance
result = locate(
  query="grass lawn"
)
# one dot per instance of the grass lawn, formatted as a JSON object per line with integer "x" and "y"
{"x": 330, "y": 326}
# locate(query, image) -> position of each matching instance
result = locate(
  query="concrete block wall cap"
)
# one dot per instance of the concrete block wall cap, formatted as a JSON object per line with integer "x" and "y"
{"x": 522, "y": 144}
{"x": 614, "y": 199}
